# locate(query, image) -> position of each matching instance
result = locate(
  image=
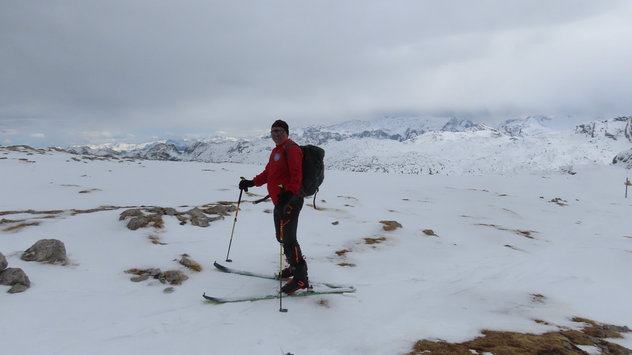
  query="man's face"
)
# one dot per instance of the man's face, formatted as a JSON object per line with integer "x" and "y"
{"x": 279, "y": 135}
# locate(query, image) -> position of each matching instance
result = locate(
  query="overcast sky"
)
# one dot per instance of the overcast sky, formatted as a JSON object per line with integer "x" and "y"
{"x": 92, "y": 71}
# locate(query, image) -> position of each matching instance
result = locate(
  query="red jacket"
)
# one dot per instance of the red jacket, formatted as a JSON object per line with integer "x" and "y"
{"x": 285, "y": 169}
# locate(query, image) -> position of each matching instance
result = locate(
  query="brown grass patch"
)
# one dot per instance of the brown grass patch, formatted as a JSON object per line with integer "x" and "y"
{"x": 524, "y": 233}
{"x": 155, "y": 239}
{"x": 20, "y": 226}
{"x": 3, "y": 213}
{"x": 372, "y": 241}
{"x": 562, "y": 342}
{"x": 7, "y": 221}
{"x": 190, "y": 263}
{"x": 225, "y": 203}
{"x": 429, "y": 232}
{"x": 343, "y": 252}
{"x": 390, "y": 225}
{"x": 346, "y": 264}
{"x": 137, "y": 271}
{"x": 49, "y": 217}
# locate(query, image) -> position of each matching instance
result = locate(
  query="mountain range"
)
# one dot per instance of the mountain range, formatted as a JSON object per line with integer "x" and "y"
{"x": 413, "y": 145}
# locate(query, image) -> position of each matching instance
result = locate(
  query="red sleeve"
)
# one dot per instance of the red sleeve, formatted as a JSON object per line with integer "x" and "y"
{"x": 295, "y": 165}
{"x": 261, "y": 178}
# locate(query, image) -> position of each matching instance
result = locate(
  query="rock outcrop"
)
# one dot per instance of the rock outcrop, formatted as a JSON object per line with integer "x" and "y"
{"x": 46, "y": 250}
{"x": 16, "y": 278}
{"x": 624, "y": 158}
{"x": 3, "y": 262}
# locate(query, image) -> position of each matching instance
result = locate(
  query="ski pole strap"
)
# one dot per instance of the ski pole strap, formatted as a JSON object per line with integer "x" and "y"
{"x": 261, "y": 199}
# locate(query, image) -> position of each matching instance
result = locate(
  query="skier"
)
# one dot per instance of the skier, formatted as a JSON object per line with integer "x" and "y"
{"x": 284, "y": 174}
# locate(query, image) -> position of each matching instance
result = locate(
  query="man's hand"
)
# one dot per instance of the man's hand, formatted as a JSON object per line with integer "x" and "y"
{"x": 284, "y": 198}
{"x": 245, "y": 184}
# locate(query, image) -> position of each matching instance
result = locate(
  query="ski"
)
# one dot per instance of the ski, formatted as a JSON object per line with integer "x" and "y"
{"x": 309, "y": 292}
{"x": 225, "y": 269}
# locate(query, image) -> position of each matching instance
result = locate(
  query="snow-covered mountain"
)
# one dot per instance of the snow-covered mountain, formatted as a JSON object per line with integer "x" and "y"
{"x": 616, "y": 128}
{"x": 418, "y": 146}
{"x": 530, "y": 126}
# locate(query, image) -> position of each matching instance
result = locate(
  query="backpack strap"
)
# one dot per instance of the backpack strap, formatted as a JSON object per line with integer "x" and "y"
{"x": 300, "y": 192}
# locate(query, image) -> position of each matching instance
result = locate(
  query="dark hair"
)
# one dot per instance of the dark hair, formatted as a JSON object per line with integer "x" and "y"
{"x": 281, "y": 124}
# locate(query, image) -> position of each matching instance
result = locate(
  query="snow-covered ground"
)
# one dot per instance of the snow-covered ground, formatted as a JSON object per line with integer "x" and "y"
{"x": 500, "y": 244}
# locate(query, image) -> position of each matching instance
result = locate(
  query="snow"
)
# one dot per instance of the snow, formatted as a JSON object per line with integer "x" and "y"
{"x": 479, "y": 273}
{"x": 416, "y": 145}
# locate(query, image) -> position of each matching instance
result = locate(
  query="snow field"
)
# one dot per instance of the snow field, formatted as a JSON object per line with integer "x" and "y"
{"x": 481, "y": 272}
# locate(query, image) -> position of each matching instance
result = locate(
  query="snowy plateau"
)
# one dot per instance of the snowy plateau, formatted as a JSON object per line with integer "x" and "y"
{"x": 516, "y": 228}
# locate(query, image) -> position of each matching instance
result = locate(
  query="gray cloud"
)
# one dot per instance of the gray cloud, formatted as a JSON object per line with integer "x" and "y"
{"x": 204, "y": 66}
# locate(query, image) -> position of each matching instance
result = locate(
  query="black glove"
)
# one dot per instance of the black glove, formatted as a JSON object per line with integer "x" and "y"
{"x": 245, "y": 184}
{"x": 284, "y": 198}
{"x": 284, "y": 202}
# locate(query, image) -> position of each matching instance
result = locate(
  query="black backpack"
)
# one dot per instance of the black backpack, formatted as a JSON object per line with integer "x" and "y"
{"x": 313, "y": 169}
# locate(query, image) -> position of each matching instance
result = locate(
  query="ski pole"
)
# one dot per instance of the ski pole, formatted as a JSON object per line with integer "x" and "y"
{"x": 281, "y": 309}
{"x": 234, "y": 223}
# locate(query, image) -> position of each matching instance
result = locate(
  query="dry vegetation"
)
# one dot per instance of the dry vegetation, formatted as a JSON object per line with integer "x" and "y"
{"x": 562, "y": 342}
{"x": 390, "y": 225}
{"x": 344, "y": 264}
{"x": 429, "y": 232}
{"x": 190, "y": 263}
{"x": 20, "y": 226}
{"x": 372, "y": 241}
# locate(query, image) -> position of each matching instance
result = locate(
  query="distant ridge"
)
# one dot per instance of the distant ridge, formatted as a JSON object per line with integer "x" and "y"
{"x": 417, "y": 145}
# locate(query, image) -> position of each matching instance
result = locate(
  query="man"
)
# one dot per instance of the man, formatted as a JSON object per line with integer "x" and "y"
{"x": 284, "y": 175}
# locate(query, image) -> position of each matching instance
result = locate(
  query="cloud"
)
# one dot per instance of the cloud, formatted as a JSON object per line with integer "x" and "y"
{"x": 38, "y": 135}
{"x": 209, "y": 66}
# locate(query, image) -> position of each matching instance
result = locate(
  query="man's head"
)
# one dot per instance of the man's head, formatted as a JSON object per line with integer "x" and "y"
{"x": 279, "y": 132}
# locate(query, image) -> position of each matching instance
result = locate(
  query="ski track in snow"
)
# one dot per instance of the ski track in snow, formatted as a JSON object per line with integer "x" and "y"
{"x": 480, "y": 272}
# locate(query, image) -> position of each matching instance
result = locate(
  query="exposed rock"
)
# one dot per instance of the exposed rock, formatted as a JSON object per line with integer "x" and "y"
{"x": 153, "y": 272}
{"x": 200, "y": 221}
{"x": 16, "y": 278}
{"x": 134, "y": 212}
{"x": 198, "y": 218}
{"x": 559, "y": 201}
{"x": 624, "y": 158}
{"x": 173, "y": 277}
{"x": 138, "y": 222}
{"x": 46, "y": 250}
{"x": 616, "y": 128}
{"x": 144, "y": 274}
{"x": 169, "y": 290}
{"x": 169, "y": 211}
{"x": 222, "y": 210}
{"x": 144, "y": 221}
{"x": 139, "y": 278}
{"x": 196, "y": 212}
{"x": 3, "y": 262}
{"x": 183, "y": 219}
{"x": 189, "y": 263}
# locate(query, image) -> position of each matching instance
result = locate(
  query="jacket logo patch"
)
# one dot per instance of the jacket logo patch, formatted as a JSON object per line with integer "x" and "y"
{"x": 277, "y": 156}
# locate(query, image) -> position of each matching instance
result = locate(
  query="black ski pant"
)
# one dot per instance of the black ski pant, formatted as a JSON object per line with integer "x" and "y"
{"x": 286, "y": 223}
